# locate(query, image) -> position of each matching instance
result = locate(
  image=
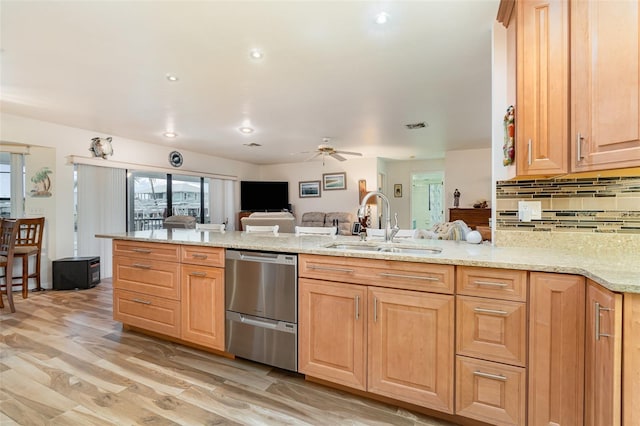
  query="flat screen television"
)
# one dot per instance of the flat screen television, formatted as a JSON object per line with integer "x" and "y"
{"x": 264, "y": 196}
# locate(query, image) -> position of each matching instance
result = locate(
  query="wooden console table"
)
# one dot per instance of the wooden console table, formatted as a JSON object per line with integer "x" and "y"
{"x": 472, "y": 217}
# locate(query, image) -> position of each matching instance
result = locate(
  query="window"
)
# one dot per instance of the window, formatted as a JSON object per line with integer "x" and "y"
{"x": 153, "y": 196}
{"x": 11, "y": 189}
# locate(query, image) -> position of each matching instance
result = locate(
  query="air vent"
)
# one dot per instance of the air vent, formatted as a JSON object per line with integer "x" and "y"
{"x": 412, "y": 126}
{"x": 252, "y": 144}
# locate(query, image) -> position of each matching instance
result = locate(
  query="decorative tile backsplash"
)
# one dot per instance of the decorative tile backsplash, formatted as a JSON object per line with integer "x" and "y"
{"x": 596, "y": 205}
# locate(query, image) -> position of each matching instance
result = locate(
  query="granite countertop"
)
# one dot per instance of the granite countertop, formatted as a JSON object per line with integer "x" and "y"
{"x": 617, "y": 273}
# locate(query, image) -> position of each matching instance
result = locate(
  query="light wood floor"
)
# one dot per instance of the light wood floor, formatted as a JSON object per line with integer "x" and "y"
{"x": 64, "y": 361}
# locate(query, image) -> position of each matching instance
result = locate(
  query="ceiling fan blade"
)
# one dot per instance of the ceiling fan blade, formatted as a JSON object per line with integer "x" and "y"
{"x": 337, "y": 156}
{"x": 317, "y": 154}
{"x": 350, "y": 153}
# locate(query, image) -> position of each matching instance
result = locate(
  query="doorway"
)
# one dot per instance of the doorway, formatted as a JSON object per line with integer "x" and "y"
{"x": 427, "y": 199}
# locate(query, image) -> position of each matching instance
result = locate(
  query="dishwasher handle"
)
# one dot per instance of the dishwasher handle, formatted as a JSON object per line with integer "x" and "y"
{"x": 252, "y": 256}
{"x": 262, "y": 322}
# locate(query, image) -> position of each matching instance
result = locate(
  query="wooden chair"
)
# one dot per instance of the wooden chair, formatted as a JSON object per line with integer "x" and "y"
{"x": 215, "y": 227}
{"x": 8, "y": 236}
{"x": 29, "y": 244}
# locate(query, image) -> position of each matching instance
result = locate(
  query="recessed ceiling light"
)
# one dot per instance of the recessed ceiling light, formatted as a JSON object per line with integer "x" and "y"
{"x": 171, "y": 77}
{"x": 170, "y": 134}
{"x": 382, "y": 18}
{"x": 246, "y": 130}
{"x": 256, "y": 54}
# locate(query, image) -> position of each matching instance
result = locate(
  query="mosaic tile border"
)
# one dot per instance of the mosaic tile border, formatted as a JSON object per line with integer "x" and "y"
{"x": 590, "y": 205}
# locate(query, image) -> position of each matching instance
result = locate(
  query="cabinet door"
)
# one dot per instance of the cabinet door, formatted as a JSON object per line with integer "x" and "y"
{"x": 556, "y": 349}
{"x": 603, "y": 351}
{"x": 203, "y": 306}
{"x": 331, "y": 332}
{"x": 411, "y": 347}
{"x": 605, "y": 84}
{"x": 542, "y": 111}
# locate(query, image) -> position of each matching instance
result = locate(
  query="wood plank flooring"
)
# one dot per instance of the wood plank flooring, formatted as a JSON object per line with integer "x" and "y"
{"x": 64, "y": 361}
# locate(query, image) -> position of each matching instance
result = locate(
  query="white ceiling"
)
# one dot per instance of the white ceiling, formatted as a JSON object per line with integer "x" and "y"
{"x": 328, "y": 71}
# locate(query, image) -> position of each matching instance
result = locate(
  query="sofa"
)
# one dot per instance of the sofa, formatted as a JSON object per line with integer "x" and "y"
{"x": 343, "y": 220}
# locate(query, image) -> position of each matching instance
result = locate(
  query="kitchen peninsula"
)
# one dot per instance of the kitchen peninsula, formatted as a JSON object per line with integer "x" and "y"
{"x": 479, "y": 325}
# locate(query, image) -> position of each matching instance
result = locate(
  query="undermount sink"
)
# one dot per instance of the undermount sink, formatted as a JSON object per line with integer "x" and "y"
{"x": 386, "y": 248}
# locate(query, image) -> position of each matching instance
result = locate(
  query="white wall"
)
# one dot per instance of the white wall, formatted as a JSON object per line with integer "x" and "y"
{"x": 329, "y": 201}
{"x": 470, "y": 172}
{"x": 400, "y": 172}
{"x": 73, "y": 141}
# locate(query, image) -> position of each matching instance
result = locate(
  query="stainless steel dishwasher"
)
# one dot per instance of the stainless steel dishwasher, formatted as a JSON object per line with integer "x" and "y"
{"x": 261, "y": 293}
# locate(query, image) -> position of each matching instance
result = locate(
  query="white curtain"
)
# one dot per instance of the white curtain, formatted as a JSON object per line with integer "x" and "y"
{"x": 222, "y": 202}
{"x": 101, "y": 209}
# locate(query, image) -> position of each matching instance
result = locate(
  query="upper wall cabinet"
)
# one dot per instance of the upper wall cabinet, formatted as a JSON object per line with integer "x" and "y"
{"x": 578, "y": 107}
{"x": 605, "y": 84}
{"x": 542, "y": 87}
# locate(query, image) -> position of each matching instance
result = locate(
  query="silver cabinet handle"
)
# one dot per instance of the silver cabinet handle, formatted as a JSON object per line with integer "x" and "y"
{"x": 141, "y": 266}
{"x": 489, "y": 283}
{"x": 414, "y": 277}
{"x": 529, "y": 152}
{"x": 144, "y": 302}
{"x": 141, "y": 250}
{"x": 490, "y": 311}
{"x": 375, "y": 309}
{"x": 357, "y": 307}
{"x": 490, "y": 376}
{"x": 327, "y": 268}
{"x": 199, "y": 256}
{"x": 198, "y": 274}
{"x": 598, "y": 309}
{"x": 579, "y": 139}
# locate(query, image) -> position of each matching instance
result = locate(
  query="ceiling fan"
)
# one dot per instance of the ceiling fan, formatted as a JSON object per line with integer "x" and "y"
{"x": 324, "y": 149}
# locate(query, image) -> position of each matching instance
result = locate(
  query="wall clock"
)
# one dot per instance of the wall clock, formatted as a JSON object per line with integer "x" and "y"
{"x": 175, "y": 159}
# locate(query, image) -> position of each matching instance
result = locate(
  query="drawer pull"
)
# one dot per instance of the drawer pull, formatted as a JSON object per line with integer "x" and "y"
{"x": 490, "y": 283}
{"x": 328, "y": 268}
{"x": 414, "y": 277}
{"x": 490, "y": 376}
{"x": 375, "y": 309}
{"x": 600, "y": 308}
{"x": 144, "y": 302}
{"x": 141, "y": 266}
{"x": 199, "y": 256}
{"x": 490, "y": 311}
{"x": 198, "y": 274}
{"x": 357, "y": 307}
{"x": 141, "y": 250}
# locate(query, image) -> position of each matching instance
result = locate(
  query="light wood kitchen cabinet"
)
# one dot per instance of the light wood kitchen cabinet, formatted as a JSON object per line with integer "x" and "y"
{"x": 490, "y": 392}
{"x": 556, "y": 349}
{"x": 542, "y": 87}
{"x": 577, "y": 85}
{"x": 406, "y": 336}
{"x": 411, "y": 346}
{"x": 203, "y": 305}
{"x": 332, "y": 332}
{"x": 605, "y": 84}
{"x": 492, "y": 329}
{"x": 157, "y": 314}
{"x": 603, "y": 353}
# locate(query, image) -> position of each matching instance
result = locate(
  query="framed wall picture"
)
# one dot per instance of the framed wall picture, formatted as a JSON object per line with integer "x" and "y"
{"x": 397, "y": 190}
{"x": 309, "y": 189}
{"x": 333, "y": 181}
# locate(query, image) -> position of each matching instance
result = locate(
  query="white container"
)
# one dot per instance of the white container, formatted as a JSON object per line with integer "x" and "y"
{"x": 474, "y": 237}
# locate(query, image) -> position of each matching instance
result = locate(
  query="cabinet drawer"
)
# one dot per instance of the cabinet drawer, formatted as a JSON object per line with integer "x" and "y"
{"x": 149, "y": 312}
{"x": 495, "y": 330}
{"x": 150, "y": 277}
{"x": 490, "y": 392}
{"x": 204, "y": 256}
{"x": 381, "y": 273}
{"x": 503, "y": 284}
{"x": 148, "y": 251}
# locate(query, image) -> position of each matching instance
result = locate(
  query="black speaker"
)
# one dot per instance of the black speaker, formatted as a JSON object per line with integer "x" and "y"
{"x": 76, "y": 272}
